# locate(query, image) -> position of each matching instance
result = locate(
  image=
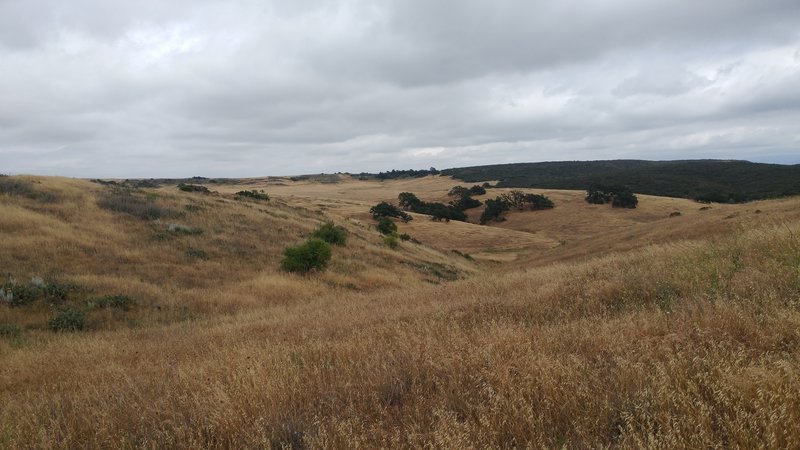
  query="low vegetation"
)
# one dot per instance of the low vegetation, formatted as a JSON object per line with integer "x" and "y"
{"x": 313, "y": 255}
{"x": 137, "y": 204}
{"x": 331, "y": 233}
{"x": 618, "y": 196}
{"x": 193, "y": 188}
{"x": 675, "y": 340}
{"x": 254, "y": 194}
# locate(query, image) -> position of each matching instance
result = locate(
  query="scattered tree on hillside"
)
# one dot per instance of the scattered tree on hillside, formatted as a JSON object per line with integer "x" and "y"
{"x": 625, "y": 200}
{"x": 408, "y": 200}
{"x": 477, "y": 190}
{"x": 465, "y": 203}
{"x": 521, "y": 200}
{"x": 385, "y": 209}
{"x": 494, "y": 210}
{"x": 538, "y": 201}
{"x": 437, "y": 211}
{"x": 459, "y": 191}
{"x": 514, "y": 199}
{"x": 618, "y": 196}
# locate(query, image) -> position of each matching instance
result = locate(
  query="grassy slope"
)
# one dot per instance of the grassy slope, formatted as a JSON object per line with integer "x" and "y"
{"x": 658, "y": 341}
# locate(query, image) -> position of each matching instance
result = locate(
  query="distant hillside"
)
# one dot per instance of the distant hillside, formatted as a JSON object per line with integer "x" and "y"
{"x": 707, "y": 180}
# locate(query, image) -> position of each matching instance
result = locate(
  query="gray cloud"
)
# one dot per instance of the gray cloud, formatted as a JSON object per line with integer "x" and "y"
{"x": 239, "y": 88}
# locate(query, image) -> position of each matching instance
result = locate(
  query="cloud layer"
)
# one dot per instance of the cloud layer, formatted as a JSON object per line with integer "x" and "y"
{"x": 243, "y": 88}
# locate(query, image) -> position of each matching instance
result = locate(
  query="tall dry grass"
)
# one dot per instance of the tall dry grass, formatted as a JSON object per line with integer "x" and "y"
{"x": 680, "y": 345}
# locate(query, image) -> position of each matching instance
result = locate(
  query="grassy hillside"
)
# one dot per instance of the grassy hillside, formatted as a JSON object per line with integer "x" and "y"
{"x": 640, "y": 330}
{"x": 713, "y": 180}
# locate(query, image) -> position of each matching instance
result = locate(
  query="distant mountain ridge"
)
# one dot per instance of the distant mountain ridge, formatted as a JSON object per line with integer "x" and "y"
{"x": 704, "y": 180}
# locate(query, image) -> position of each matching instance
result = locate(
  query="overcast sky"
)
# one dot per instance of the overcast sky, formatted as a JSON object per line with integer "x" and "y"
{"x": 152, "y": 88}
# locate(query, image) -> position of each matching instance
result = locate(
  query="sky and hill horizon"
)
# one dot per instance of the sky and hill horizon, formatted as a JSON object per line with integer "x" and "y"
{"x": 245, "y": 88}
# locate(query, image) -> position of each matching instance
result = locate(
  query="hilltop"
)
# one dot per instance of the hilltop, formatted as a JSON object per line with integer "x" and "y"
{"x": 674, "y": 324}
{"x": 708, "y": 180}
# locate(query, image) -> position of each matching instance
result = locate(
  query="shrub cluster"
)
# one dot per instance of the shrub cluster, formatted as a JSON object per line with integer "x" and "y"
{"x": 193, "y": 188}
{"x": 314, "y": 254}
{"x": 9, "y": 330}
{"x": 143, "y": 207}
{"x": 22, "y": 188}
{"x": 618, "y": 196}
{"x": 116, "y": 301}
{"x": 331, "y": 233}
{"x": 68, "y": 319}
{"x": 254, "y": 194}
{"x": 386, "y": 226}
{"x": 20, "y": 294}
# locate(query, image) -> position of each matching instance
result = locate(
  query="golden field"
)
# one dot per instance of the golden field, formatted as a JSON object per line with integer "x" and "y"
{"x": 577, "y": 327}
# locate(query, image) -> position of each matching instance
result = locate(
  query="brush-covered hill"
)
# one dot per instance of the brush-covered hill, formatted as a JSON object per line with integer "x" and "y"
{"x": 640, "y": 331}
{"x": 711, "y": 180}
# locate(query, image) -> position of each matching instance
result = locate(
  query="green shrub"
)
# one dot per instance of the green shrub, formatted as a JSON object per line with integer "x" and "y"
{"x": 330, "y": 233}
{"x": 314, "y": 254}
{"x": 116, "y": 301}
{"x": 9, "y": 330}
{"x": 386, "y": 226}
{"x": 477, "y": 190}
{"x": 68, "y": 319}
{"x": 197, "y": 253}
{"x": 193, "y": 188}
{"x": 15, "y": 187}
{"x": 143, "y": 207}
{"x": 59, "y": 290}
{"x": 625, "y": 200}
{"x": 258, "y": 195}
{"x": 22, "y": 294}
{"x": 391, "y": 241}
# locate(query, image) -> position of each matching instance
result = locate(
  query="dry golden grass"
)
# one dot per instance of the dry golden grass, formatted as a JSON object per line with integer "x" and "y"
{"x": 666, "y": 343}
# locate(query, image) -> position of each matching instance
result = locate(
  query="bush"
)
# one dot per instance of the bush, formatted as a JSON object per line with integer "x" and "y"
{"x": 538, "y": 201}
{"x": 478, "y": 190}
{"x": 193, "y": 188}
{"x": 123, "y": 201}
{"x": 15, "y": 187}
{"x": 22, "y": 294}
{"x": 117, "y": 301}
{"x": 197, "y": 253}
{"x": 258, "y": 195}
{"x": 405, "y": 237}
{"x": 9, "y": 330}
{"x": 68, "y": 319}
{"x": 330, "y": 233}
{"x": 314, "y": 254}
{"x": 386, "y": 226}
{"x": 625, "y": 200}
{"x": 391, "y": 241}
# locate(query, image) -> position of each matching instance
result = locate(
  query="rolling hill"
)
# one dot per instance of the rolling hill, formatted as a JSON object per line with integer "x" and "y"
{"x": 580, "y": 326}
{"x": 711, "y": 180}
